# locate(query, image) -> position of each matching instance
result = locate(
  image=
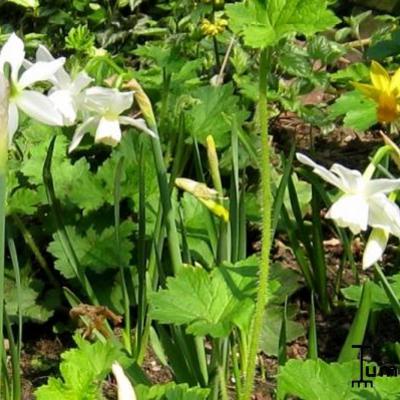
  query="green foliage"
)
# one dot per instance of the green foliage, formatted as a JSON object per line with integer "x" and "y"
{"x": 31, "y": 308}
{"x": 272, "y": 326}
{"x": 358, "y": 111}
{"x": 316, "y": 379}
{"x": 200, "y": 230}
{"x": 171, "y": 391}
{"x": 211, "y": 114}
{"x": 97, "y": 251}
{"x": 385, "y": 48}
{"x": 82, "y": 370}
{"x": 379, "y": 299}
{"x": 208, "y": 303}
{"x": 80, "y": 39}
{"x": 265, "y": 23}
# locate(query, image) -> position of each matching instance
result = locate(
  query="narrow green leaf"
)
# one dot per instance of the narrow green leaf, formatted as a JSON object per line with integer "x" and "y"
{"x": 312, "y": 332}
{"x": 282, "y": 356}
{"x": 358, "y": 327}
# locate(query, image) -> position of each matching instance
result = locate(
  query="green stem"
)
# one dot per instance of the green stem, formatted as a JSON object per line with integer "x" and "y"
{"x": 125, "y": 294}
{"x": 168, "y": 212}
{"x": 216, "y": 52}
{"x": 164, "y": 100}
{"x": 168, "y": 215}
{"x": 262, "y": 293}
{"x": 15, "y": 360}
{"x": 4, "y": 94}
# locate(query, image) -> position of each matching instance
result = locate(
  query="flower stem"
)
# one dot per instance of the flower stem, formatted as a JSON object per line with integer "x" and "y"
{"x": 262, "y": 293}
{"x": 165, "y": 194}
{"x": 4, "y": 95}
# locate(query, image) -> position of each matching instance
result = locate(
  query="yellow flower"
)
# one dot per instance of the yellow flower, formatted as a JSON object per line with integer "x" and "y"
{"x": 385, "y": 91}
{"x": 213, "y": 29}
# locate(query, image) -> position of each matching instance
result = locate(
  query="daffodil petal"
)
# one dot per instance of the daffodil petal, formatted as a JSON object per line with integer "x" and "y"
{"x": 105, "y": 100}
{"x": 81, "y": 81}
{"x": 380, "y": 77}
{"x": 122, "y": 101}
{"x": 13, "y": 53}
{"x": 80, "y": 132}
{"x": 108, "y": 132}
{"x": 125, "y": 388}
{"x": 40, "y": 71}
{"x": 61, "y": 78}
{"x": 350, "y": 211}
{"x": 13, "y": 119}
{"x": 39, "y": 107}
{"x": 375, "y": 247}
{"x": 64, "y": 103}
{"x": 350, "y": 179}
{"x": 375, "y": 186}
{"x": 138, "y": 123}
{"x": 321, "y": 171}
{"x": 369, "y": 90}
{"x": 384, "y": 214}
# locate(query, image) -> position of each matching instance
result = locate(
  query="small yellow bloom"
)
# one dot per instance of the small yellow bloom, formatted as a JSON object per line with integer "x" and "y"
{"x": 213, "y": 28}
{"x": 385, "y": 91}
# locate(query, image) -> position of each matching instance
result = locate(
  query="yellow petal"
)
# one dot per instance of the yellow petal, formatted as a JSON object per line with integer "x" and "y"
{"x": 395, "y": 83}
{"x": 380, "y": 77}
{"x": 369, "y": 90}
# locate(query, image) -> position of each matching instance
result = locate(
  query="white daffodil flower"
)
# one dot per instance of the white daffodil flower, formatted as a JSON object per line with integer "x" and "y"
{"x": 33, "y": 103}
{"x": 107, "y": 105}
{"x": 364, "y": 202}
{"x": 66, "y": 94}
{"x": 125, "y": 388}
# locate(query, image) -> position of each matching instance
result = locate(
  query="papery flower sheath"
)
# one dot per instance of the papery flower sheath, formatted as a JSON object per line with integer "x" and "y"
{"x": 106, "y": 106}
{"x": 33, "y": 103}
{"x": 384, "y": 90}
{"x": 66, "y": 94}
{"x": 363, "y": 203}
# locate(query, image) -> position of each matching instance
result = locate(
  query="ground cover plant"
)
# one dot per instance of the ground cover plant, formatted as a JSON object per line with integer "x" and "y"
{"x": 198, "y": 199}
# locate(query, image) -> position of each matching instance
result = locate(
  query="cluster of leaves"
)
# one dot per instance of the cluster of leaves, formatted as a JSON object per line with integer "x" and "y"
{"x": 162, "y": 47}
